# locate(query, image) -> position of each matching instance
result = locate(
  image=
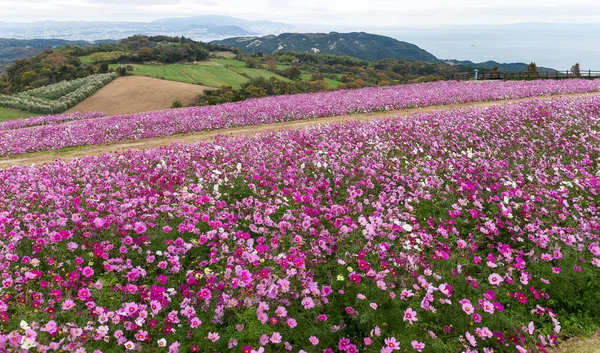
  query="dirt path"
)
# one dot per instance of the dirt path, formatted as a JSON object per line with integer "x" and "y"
{"x": 77, "y": 152}
{"x": 138, "y": 94}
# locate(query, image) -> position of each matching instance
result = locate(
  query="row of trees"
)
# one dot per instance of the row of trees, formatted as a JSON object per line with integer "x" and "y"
{"x": 532, "y": 70}
{"x": 259, "y": 87}
{"x": 349, "y": 70}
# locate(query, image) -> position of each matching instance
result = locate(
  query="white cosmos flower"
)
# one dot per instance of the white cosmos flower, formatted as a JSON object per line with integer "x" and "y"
{"x": 407, "y": 227}
{"x": 27, "y": 343}
{"x": 24, "y": 325}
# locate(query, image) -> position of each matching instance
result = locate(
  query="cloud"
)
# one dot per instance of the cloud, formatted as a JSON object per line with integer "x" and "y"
{"x": 356, "y": 13}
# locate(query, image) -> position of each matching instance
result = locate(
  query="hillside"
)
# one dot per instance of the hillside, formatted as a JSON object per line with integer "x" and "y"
{"x": 68, "y": 63}
{"x": 13, "y": 49}
{"x": 360, "y": 45}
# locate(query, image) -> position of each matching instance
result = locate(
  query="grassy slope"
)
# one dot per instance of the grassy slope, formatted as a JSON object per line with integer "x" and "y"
{"x": 253, "y": 73}
{"x": 11, "y": 114}
{"x": 224, "y": 54}
{"x": 332, "y": 83}
{"x": 214, "y": 73}
{"x": 208, "y": 74}
{"x": 230, "y": 62}
{"x": 86, "y": 59}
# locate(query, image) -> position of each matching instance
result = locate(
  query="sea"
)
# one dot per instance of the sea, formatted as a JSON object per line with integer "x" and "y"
{"x": 549, "y": 45}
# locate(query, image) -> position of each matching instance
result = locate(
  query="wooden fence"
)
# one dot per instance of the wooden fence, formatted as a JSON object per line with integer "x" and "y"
{"x": 526, "y": 75}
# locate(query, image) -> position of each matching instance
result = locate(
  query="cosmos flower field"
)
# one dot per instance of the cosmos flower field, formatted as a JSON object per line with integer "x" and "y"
{"x": 53, "y": 133}
{"x": 473, "y": 230}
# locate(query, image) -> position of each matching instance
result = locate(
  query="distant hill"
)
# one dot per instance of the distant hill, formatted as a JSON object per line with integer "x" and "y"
{"x": 13, "y": 49}
{"x": 488, "y": 65}
{"x": 360, "y": 45}
{"x": 212, "y": 21}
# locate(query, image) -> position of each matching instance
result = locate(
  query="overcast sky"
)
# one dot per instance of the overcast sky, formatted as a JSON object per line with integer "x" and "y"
{"x": 352, "y": 13}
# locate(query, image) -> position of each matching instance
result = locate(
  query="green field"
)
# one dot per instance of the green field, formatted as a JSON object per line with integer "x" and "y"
{"x": 207, "y": 73}
{"x": 224, "y": 54}
{"x": 11, "y": 114}
{"x": 213, "y": 73}
{"x": 86, "y": 59}
{"x": 333, "y": 83}
{"x": 230, "y": 62}
{"x": 254, "y": 73}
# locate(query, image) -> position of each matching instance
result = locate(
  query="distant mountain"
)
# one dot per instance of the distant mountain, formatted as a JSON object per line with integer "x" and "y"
{"x": 487, "y": 65}
{"x": 357, "y": 44}
{"x": 214, "y": 20}
{"x": 13, "y": 49}
{"x": 204, "y": 28}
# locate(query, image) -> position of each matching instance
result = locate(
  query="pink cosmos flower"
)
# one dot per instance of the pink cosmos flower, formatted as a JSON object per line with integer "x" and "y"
{"x": 291, "y": 322}
{"x": 391, "y": 343}
{"x": 139, "y": 227}
{"x": 275, "y": 337}
{"x": 68, "y": 304}
{"x": 495, "y": 279}
{"x": 418, "y": 345}
{"x": 471, "y": 339}
{"x": 213, "y": 336}
{"x": 410, "y": 315}
{"x": 308, "y": 303}
{"x": 195, "y": 322}
{"x": 468, "y": 308}
{"x": 87, "y": 272}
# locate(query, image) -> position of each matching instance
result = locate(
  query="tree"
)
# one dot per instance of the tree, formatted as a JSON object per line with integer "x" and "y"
{"x": 575, "y": 70}
{"x": 292, "y": 72}
{"x": 103, "y": 68}
{"x": 532, "y": 70}
{"x": 251, "y": 63}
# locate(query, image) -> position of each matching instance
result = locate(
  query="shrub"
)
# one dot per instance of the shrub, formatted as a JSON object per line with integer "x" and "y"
{"x": 58, "y": 97}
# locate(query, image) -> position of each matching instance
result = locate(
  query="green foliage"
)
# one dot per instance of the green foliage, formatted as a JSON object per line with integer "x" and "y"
{"x": 103, "y": 68}
{"x": 259, "y": 87}
{"x": 106, "y": 56}
{"x": 176, "y": 104}
{"x": 575, "y": 70}
{"x": 121, "y": 70}
{"x": 47, "y": 68}
{"x": 532, "y": 68}
{"x": 292, "y": 72}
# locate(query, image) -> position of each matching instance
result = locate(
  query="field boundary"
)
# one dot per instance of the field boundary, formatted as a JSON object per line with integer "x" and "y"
{"x": 70, "y": 153}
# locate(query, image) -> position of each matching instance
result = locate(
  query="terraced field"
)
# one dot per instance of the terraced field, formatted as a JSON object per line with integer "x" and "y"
{"x": 213, "y": 73}
{"x": 208, "y": 74}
